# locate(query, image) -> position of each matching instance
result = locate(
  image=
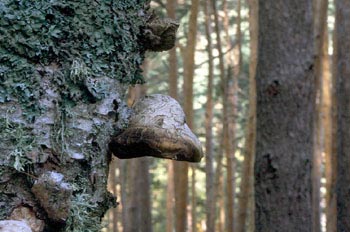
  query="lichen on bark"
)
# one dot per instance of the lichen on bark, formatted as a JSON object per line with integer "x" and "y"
{"x": 64, "y": 69}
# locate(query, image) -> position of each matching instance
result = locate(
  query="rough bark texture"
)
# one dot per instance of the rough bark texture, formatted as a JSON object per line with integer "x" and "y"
{"x": 342, "y": 75}
{"x": 64, "y": 68}
{"x": 285, "y": 89}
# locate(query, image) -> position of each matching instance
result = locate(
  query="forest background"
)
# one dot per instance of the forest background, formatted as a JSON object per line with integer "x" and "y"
{"x": 211, "y": 71}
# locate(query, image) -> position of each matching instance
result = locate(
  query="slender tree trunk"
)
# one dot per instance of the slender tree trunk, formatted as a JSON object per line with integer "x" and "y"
{"x": 320, "y": 24}
{"x": 209, "y": 157}
{"x": 330, "y": 170}
{"x": 232, "y": 76}
{"x": 219, "y": 185}
{"x": 247, "y": 181}
{"x": 193, "y": 199}
{"x": 171, "y": 10}
{"x": 227, "y": 145}
{"x": 124, "y": 186}
{"x": 181, "y": 169}
{"x": 113, "y": 181}
{"x": 285, "y": 85}
{"x": 132, "y": 203}
{"x": 173, "y": 75}
{"x": 320, "y": 33}
{"x": 170, "y": 197}
{"x": 342, "y": 75}
{"x": 144, "y": 195}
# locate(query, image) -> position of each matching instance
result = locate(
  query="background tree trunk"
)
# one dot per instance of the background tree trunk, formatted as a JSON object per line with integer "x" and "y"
{"x": 327, "y": 111}
{"x": 209, "y": 156}
{"x": 226, "y": 132}
{"x": 181, "y": 168}
{"x": 285, "y": 85}
{"x": 320, "y": 25}
{"x": 247, "y": 181}
{"x": 173, "y": 75}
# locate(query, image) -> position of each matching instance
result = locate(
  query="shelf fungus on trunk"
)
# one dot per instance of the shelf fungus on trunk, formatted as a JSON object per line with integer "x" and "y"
{"x": 160, "y": 34}
{"x": 157, "y": 127}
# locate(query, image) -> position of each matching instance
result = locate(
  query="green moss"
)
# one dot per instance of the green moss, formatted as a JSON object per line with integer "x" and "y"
{"x": 85, "y": 38}
{"x": 82, "y": 214}
{"x": 16, "y": 137}
{"x": 61, "y": 60}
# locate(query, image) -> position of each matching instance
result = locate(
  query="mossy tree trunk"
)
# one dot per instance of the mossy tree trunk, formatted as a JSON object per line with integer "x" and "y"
{"x": 64, "y": 69}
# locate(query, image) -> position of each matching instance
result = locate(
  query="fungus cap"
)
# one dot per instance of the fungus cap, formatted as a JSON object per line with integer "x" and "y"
{"x": 157, "y": 128}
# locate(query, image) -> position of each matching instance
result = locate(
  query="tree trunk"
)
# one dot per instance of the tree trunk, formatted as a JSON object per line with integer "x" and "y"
{"x": 63, "y": 74}
{"x": 285, "y": 85}
{"x": 63, "y": 78}
{"x": 330, "y": 170}
{"x": 173, "y": 75}
{"x": 247, "y": 181}
{"x": 227, "y": 146}
{"x": 342, "y": 74}
{"x": 320, "y": 24}
{"x": 232, "y": 76}
{"x": 139, "y": 206}
{"x": 193, "y": 199}
{"x": 219, "y": 185}
{"x": 124, "y": 193}
{"x": 181, "y": 169}
{"x": 209, "y": 157}
{"x": 113, "y": 187}
{"x": 144, "y": 195}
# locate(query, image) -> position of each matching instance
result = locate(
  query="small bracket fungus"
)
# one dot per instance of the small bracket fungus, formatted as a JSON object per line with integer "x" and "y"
{"x": 160, "y": 34}
{"x": 157, "y": 127}
{"x": 54, "y": 195}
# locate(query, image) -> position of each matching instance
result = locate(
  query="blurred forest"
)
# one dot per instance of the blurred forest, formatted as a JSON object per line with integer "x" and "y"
{"x": 213, "y": 71}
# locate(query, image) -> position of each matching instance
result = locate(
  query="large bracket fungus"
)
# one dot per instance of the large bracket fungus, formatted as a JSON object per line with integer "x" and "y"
{"x": 157, "y": 127}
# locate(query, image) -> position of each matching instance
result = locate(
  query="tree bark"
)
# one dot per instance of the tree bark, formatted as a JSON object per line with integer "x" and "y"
{"x": 62, "y": 90}
{"x": 285, "y": 85}
{"x": 64, "y": 71}
{"x": 342, "y": 74}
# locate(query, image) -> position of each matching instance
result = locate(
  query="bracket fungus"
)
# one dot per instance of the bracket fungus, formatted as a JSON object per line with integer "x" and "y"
{"x": 157, "y": 127}
{"x": 160, "y": 34}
